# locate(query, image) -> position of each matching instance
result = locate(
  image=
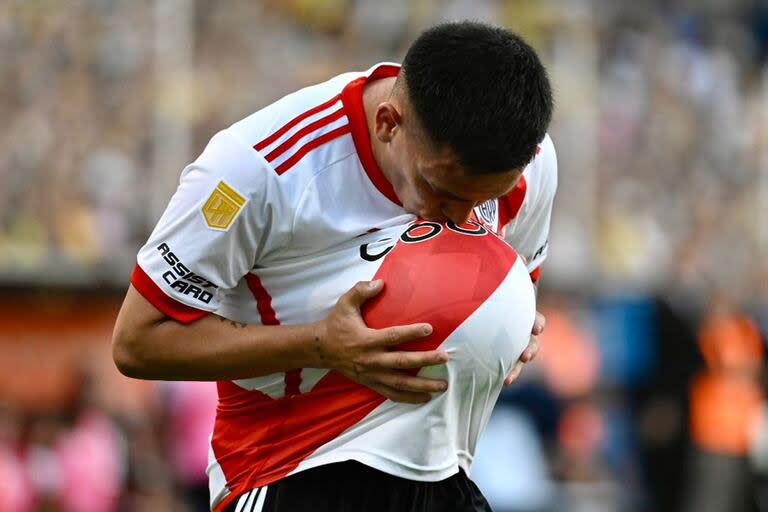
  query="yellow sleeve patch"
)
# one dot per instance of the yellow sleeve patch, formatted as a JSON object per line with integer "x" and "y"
{"x": 222, "y": 206}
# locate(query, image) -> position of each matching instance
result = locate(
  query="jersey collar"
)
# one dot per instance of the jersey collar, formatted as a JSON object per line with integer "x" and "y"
{"x": 352, "y": 98}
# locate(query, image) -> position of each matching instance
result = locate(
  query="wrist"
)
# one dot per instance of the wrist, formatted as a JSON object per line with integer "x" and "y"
{"x": 317, "y": 356}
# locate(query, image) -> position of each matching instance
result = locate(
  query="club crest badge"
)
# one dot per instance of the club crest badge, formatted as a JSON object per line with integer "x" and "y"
{"x": 222, "y": 207}
{"x": 487, "y": 211}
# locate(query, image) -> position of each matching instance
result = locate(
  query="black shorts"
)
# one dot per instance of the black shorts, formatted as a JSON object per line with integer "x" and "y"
{"x": 353, "y": 487}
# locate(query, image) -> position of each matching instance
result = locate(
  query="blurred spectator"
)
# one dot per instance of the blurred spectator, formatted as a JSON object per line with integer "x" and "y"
{"x": 190, "y": 410}
{"x": 15, "y": 485}
{"x": 726, "y": 402}
{"x": 73, "y": 456}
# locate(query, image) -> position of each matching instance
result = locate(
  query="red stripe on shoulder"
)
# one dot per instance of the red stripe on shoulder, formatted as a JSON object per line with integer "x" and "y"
{"x": 511, "y": 203}
{"x": 309, "y": 146}
{"x": 311, "y": 127}
{"x": 293, "y": 122}
{"x": 352, "y": 97}
{"x": 168, "y": 306}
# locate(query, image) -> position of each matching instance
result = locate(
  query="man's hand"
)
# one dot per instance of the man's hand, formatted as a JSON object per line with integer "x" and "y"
{"x": 347, "y": 345}
{"x": 530, "y": 351}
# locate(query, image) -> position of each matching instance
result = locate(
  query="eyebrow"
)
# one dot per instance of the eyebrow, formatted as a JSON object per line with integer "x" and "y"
{"x": 454, "y": 196}
{"x": 447, "y": 194}
{"x": 459, "y": 198}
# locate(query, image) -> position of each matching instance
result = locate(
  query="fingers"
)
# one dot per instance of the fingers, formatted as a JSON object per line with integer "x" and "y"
{"x": 530, "y": 351}
{"x": 400, "y": 334}
{"x": 397, "y": 395}
{"x": 402, "y": 387}
{"x": 365, "y": 290}
{"x": 361, "y": 292}
{"x": 538, "y": 324}
{"x": 407, "y": 360}
{"x": 526, "y": 357}
{"x": 409, "y": 383}
{"x": 514, "y": 374}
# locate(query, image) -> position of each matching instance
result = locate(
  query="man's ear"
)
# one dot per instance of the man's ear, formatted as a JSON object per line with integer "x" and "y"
{"x": 386, "y": 121}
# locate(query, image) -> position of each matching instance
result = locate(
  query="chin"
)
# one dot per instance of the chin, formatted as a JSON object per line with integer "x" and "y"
{"x": 420, "y": 212}
{"x": 415, "y": 210}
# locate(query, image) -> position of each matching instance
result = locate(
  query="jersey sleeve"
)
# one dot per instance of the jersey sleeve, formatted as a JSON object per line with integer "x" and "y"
{"x": 225, "y": 215}
{"x": 528, "y": 231}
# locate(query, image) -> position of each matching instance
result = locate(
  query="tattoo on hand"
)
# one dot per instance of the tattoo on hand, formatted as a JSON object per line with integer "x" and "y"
{"x": 238, "y": 325}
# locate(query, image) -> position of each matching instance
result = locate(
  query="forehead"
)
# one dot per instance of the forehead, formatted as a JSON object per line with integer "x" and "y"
{"x": 441, "y": 169}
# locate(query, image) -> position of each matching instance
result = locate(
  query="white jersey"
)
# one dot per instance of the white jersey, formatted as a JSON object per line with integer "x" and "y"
{"x": 280, "y": 215}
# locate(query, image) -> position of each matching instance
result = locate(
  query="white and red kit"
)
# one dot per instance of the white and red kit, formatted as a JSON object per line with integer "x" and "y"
{"x": 279, "y": 216}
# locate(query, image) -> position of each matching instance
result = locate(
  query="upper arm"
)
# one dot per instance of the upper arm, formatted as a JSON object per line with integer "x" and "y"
{"x": 136, "y": 314}
{"x": 135, "y": 320}
{"x": 224, "y": 216}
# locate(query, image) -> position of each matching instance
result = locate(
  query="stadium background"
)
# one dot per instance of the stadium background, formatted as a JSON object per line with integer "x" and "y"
{"x": 649, "y": 389}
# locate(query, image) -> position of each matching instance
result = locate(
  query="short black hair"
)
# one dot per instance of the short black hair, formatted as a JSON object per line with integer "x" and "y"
{"x": 480, "y": 90}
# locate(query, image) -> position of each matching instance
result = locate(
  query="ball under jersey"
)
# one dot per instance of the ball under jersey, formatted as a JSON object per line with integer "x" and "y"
{"x": 280, "y": 215}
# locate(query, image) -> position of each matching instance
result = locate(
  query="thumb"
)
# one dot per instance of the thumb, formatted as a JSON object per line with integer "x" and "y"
{"x": 363, "y": 291}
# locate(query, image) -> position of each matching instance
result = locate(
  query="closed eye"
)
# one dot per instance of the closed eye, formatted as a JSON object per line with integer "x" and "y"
{"x": 447, "y": 195}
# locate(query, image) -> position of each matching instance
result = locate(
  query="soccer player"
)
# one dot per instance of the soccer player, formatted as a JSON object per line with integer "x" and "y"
{"x": 236, "y": 283}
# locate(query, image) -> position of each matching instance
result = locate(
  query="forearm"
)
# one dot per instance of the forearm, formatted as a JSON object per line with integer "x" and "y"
{"x": 148, "y": 345}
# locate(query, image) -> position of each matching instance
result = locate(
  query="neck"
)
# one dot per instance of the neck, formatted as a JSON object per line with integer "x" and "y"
{"x": 373, "y": 95}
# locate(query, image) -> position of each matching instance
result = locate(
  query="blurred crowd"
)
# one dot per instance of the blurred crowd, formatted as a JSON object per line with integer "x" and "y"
{"x": 95, "y": 93}
{"x": 649, "y": 390}
{"x": 91, "y": 453}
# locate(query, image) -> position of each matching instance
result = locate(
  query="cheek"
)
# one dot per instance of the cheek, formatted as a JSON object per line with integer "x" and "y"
{"x": 414, "y": 196}
{"x": 425, "y": 193}
{"x": 413, "y": 190}
{"x": 406, "y": 187}
{"x": 426, "y": 197}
